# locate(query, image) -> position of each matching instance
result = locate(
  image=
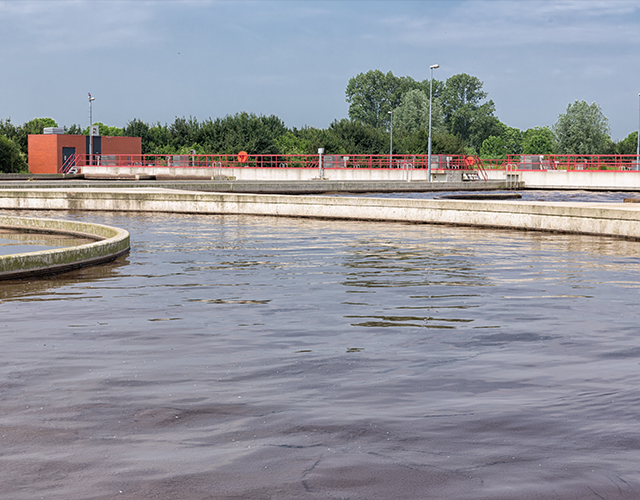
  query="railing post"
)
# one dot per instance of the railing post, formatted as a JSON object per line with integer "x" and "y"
{"x": 320, "y": 153}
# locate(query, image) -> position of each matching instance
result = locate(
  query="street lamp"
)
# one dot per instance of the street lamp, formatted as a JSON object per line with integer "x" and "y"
{"x": 391, "y": 139}
{"x": 638, "y": 147}
{"x": 91, "y": 99}
{"x": 432, "y": 67}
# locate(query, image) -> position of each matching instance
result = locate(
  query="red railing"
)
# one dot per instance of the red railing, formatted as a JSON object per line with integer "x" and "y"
{"x": 620, "y": 163}
{"x": 438, "y": 162}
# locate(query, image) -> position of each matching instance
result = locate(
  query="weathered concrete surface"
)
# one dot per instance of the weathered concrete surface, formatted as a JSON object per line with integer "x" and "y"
{"x": 110, "y": 243}
{"x": 282, "y": 181}
{"x": 604, "y": 180}
{"x": 266, "y": 187}
{"x": 589, "y": 180}
{"x": 588, "y": 218}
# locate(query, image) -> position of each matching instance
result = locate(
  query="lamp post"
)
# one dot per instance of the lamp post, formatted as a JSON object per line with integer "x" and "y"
{"x": 432, "y": 67}
{"x": 391, "y": 139}
{"x": 91, "y": 99}
{"x": 638, "y": 146}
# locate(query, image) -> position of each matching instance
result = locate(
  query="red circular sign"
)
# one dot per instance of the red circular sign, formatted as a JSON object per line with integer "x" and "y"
{"x": 243, "y": 157}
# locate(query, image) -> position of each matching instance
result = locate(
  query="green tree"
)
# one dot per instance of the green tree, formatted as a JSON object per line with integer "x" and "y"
{"x": 11, "y": 158}
{"x": 494, "y": 147}
{"x": 441, "y": 143}
{"x": 138, "y": 128}
{"x": 413, "y": 113}
{"x": 184, "y": 132}
{"x": 465, "y": 113}
{"x": 292, "y": 143}
{"x": 73, "y": 130}
{"x": 35, "y": 126}
{"x": 538, "y": 141}
{"x": 483, "y": 126}
{"x": 321, "y": 138}
{"x": 105, "y": 130}
{"x": 512, "y": 139}
{"x": 7, "y": 128}
{"x": 628, "y": 145}
{"x": 356, "y": 138}
{"x": 447, "y": 144}
{"x": 241, "y": 132}
{"x": 373, "y": 94}
{"x": 583, "y": 129}
{"x": 158, "y": 137}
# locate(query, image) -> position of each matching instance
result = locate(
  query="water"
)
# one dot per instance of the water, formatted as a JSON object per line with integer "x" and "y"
{"x": 13, "y": 241}
{"x": 237, "y": 357}
{"x": 527, "y": 195}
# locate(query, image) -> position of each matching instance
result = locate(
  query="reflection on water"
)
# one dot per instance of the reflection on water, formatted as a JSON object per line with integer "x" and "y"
{"x": 245, "y": 357}
{"x": 14, "y": 241}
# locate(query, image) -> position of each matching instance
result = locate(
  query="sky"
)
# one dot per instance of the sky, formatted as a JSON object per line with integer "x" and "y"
{"x": 158, "y": 60}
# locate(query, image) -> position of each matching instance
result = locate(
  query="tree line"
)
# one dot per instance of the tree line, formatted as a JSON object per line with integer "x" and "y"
{"x": 380, "y": 105}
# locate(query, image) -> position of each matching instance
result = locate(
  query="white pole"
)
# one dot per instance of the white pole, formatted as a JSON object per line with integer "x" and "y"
{"x": 91, "y": 99}
{"x": 391, "y": 140}
{"x": 638, "y": 147}
{"x": 320, "y": 153}
{"x": 432, "y": 67}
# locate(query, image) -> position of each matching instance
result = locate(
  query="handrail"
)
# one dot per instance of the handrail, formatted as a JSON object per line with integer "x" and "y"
{"x": 440, "y": 162}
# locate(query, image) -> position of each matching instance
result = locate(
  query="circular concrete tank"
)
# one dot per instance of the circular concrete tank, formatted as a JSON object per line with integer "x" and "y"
{"x": 108, "y": 244}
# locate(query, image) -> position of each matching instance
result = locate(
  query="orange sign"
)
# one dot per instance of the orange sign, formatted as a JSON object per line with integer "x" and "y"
{"x": 243, "y": 157}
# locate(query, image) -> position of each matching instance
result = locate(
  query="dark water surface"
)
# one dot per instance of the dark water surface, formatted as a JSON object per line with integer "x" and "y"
{"x": 234, "y": 357}
{"x": 527, "y": 195}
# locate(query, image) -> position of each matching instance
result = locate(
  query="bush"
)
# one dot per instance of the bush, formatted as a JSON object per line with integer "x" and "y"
{"x": 11, "y": 158}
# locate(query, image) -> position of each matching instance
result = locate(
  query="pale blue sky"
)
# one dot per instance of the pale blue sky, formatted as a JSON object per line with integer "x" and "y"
{"x": 156, "y": 60}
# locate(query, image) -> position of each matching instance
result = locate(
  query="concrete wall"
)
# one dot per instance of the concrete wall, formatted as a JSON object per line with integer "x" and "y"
{"x": 604, "y": 180}
{"x": 587, "y": 218}
{"x": 264, "y": 174}
{"x": 533, "y": 179}
{"x": 110, "y": 243}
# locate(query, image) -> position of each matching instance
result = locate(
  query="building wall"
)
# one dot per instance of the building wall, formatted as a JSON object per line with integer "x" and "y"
{"x": 45, "y": 150}
{"x": 121, "y": 145}
{"x": 42, "y": 153}
{"x": 67, "y": 141}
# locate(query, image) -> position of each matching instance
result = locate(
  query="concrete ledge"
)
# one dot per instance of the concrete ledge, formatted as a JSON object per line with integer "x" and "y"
{"x": 110, "y": 243}
{"x": 265, "y": 187}
{"x": 610, "y": 219}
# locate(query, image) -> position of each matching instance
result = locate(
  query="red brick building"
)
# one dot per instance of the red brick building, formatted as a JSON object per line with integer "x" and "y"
{"x": 49, "y": 152}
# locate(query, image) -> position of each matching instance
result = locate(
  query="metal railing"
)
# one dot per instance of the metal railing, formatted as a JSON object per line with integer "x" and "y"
{"x": 619, "y": 163}
{"x": 439, "y": 162}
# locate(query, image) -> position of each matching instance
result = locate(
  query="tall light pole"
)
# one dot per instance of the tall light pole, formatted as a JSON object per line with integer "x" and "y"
{"x": 638, "y": 147}
{"x": 391, "y": 139}
{"x": 91, "y": 99}
{"x": 432, "y": 67}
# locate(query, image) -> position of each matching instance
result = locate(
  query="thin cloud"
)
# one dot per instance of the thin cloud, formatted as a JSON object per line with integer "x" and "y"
{"x": 79, "y": 25}
{"x": 499, "y": 23}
